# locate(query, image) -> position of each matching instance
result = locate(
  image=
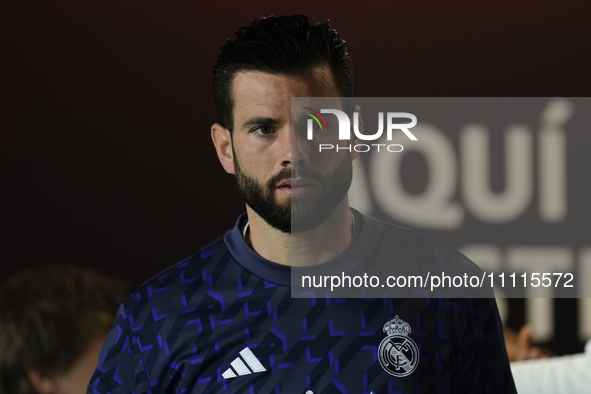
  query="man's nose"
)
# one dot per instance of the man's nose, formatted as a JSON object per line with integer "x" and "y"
{"x": 296, "y": 148}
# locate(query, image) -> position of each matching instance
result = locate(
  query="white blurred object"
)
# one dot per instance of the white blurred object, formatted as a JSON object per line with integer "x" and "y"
{"x": 556, "y": 375}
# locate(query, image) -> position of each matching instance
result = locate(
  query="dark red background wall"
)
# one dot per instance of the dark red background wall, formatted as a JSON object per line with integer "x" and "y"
{"x": 105, "y": 154}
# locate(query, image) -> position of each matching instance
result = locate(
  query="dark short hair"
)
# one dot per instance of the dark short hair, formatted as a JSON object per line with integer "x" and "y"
{"x": 279, "y": 45}
{"x": 49, "y": 317}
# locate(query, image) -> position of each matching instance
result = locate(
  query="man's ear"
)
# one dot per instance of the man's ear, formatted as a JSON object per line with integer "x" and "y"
{"x": 222, "y": 139}
{"x": 42, "y": 383}
{"x": 354, "y": 138}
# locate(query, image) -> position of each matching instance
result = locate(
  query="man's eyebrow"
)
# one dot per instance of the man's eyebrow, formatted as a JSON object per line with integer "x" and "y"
{"x": 259, "y": 120}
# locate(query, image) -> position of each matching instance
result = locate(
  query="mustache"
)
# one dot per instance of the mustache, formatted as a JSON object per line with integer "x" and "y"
{"x": 286, "y": 173}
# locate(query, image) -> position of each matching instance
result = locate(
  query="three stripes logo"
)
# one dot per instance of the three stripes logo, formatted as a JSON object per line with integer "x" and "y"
{"x": 240, "y": 365}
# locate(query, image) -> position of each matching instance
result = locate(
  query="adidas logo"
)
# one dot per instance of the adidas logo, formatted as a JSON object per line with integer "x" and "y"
{"x": 239, "y": 367}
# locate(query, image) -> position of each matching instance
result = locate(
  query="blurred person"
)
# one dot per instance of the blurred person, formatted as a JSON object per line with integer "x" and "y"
{"x": 520, "y": 346}
{"x": 536, "y": 371}
{"x": 53, "y": 322}
{"x": 554, "y": 375}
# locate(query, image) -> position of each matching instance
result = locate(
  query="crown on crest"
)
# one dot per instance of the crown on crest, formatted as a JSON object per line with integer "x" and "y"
{"x": 397, "y": 326}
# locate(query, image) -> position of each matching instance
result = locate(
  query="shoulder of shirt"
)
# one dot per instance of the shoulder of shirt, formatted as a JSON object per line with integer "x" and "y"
{"x": 196, "y": 258}
{"x": 424, "y": 242}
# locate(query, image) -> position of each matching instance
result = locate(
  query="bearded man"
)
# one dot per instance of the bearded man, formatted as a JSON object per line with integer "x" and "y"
{"x": 224, "y": 319}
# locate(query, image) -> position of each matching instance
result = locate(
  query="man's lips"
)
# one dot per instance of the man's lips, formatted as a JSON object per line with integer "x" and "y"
{"x": 296, "y": 182}
{"x": 295, "y": 186}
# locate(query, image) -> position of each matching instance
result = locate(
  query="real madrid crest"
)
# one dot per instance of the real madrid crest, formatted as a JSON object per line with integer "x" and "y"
{"x": 398, "y": 353}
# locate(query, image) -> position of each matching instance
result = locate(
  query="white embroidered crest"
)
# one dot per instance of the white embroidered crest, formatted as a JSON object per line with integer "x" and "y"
{"x": 398, "y": 353}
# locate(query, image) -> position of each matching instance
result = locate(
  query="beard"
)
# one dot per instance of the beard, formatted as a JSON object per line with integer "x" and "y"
{"x": 300, "y": 213}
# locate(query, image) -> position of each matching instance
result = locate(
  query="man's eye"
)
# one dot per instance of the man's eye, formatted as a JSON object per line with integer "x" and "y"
{"x": 305, "y": 127}
{"x": 263, "y": 131}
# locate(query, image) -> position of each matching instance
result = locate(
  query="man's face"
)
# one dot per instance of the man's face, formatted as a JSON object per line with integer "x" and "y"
{"x": 283, "y": 178}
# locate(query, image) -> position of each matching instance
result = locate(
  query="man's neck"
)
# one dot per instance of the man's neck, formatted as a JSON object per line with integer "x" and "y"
{"x": 316, "y": 246}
